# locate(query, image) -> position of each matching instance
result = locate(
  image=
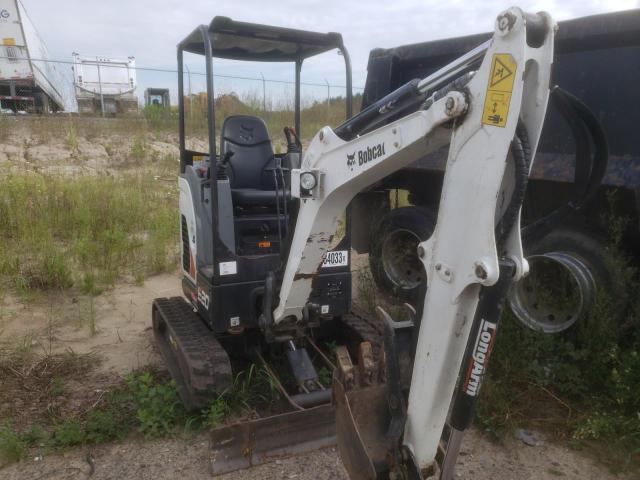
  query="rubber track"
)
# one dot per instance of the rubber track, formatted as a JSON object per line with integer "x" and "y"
{"x": 368, "y": 328}
{"x": 195, "y": 356}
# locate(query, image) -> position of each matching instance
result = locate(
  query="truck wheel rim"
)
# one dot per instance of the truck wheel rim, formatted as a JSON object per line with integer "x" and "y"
{"x": 400, "y": 259}
{"x": 558, "y": 291}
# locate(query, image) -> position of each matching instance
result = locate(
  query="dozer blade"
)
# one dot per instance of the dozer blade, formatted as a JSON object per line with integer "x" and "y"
{"x": 247, "y": 444}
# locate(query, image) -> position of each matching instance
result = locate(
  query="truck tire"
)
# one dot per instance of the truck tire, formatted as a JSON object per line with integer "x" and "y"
{"x": 393, "y": 256}
{"x": 567, "y": 267}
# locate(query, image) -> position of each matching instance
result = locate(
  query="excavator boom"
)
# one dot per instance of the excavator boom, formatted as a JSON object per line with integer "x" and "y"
{"x": 491, "y": 116}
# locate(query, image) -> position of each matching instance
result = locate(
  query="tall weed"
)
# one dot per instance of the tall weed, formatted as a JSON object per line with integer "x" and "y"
{"x": 90, "y": 231}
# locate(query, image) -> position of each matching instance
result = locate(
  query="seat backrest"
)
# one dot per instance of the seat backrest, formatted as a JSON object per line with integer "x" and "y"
{"x": 248, "y": 138}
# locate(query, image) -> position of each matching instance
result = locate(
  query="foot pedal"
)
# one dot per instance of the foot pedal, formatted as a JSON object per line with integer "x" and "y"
{"x": 302, "y": 368}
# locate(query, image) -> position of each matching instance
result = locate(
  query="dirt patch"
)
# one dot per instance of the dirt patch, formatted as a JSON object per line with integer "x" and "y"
{"x": 59, "y": 146}
{"x": 69, "y": 350}
{"x": 35, "y": 389}
{"x": 115, "y": 326}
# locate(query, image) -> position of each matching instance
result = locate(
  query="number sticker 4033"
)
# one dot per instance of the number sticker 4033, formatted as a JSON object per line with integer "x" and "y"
{"x": 336, "y": 258}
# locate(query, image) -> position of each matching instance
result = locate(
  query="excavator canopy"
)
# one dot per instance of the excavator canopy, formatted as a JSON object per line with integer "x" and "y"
{"x": 262, "y": 43}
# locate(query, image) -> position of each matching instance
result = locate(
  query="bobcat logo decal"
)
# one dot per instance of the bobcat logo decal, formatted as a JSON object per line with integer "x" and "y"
{"x": 351, "y": 160}
{"x": 365, "y": 155}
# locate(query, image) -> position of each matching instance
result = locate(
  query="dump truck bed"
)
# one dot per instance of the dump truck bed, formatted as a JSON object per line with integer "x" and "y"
{"x": 597, "y": 58}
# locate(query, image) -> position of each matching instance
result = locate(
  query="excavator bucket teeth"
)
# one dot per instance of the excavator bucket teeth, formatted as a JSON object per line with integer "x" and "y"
{"x": 362, "y": 416}
{"x": 247, "y": 444}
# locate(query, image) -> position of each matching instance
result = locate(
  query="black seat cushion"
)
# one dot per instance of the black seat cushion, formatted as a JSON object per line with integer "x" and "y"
{"x": 247, "y": 137}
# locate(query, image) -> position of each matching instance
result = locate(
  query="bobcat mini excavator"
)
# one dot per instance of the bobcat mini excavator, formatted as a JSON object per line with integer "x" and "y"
{"x": 262, "y": 273}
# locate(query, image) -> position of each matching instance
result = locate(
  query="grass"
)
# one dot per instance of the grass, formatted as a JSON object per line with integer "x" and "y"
{"x": 88, "y": 232}
{"x": 12, "y": 445}
{"x": 155, "y": 121}
{"x": 72, "y": 138}
{"x": 5, "y": 128}
{"x": 144, "y": 403}
{"x": 313, "y": 116}
{"x": 368, "y": 294}
{"x": 139, "y": 147}
{"x": 581, "y": 385}
{"x": 84, "y": 231}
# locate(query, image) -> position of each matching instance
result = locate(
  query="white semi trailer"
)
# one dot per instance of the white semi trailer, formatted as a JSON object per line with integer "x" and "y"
{"x": 104, "y": 84}
{"x": 29, "y": 80}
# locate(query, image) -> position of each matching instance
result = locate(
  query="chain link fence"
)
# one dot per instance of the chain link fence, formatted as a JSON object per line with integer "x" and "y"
{"x": 114, "y": 82}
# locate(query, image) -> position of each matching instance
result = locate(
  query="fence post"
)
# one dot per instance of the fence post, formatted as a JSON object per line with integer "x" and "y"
{"x": 264, "y": 94}
{"x": 190, "y": 96}
{"x": 328, "y": 101}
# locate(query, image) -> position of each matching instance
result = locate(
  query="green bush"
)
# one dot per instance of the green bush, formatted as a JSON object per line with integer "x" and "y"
{"x": 68, "y": 434}
{"x": 216, "y": 413}
{"x": 12, "y": 447}
{"x": 139, "y": 147}
{"x": 105, "y": 425}
{"x": 157, "y": 406}
{"x": 34, "y": 435}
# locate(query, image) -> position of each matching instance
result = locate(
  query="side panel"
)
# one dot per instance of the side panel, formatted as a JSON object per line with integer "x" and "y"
{"x": 48, "y": 75}
{"x": 28, "y": 65}
{"x": 13, "y": 44}
{"x": 188, "y": 236}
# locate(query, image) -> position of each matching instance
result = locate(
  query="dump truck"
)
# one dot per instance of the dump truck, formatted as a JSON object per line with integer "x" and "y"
{"x": 104, "y": 84}
{"x": 29, "y": 80}
{"x": 597, "y": 59}
{"x": 158, "y": 97}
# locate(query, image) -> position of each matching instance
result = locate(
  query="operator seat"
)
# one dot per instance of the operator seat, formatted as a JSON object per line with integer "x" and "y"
{"x": 250, "y": 169}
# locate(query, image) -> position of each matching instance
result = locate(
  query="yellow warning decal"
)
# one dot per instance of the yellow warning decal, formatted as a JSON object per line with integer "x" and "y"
{"x": 498, "y": 97}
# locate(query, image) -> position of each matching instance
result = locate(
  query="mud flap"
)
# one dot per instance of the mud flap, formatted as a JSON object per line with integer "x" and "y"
{"x": 247, "y": 444}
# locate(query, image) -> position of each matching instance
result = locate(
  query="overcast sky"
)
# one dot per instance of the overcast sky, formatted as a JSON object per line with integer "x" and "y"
{"x": 150, "y": 29}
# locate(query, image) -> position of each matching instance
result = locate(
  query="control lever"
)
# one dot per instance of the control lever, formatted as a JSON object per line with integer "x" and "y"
{"x": 293, "y": 142}
{"x": 222, "y": 166}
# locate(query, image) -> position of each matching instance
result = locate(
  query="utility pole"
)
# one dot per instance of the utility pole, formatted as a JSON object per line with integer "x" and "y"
{"x": 100, "y": 85}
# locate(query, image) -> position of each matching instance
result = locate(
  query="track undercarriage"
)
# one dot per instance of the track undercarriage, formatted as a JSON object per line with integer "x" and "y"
{"x": 305, "y": 419}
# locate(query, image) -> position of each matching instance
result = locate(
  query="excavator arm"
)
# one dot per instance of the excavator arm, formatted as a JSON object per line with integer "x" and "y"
{"x": 489, "y": 107}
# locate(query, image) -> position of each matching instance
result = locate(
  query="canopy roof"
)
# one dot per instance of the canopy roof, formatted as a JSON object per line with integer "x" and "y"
{"x": 255, "y": 42}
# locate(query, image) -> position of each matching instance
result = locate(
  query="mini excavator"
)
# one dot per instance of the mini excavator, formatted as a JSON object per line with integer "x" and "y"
{"x": 266, "y": 273}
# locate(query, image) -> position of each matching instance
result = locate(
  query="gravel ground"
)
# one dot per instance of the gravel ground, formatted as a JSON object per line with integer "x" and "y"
{"x": 187, "y": 459}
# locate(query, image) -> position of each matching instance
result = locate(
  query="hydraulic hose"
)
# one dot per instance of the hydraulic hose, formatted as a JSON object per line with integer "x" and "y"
{"x": 521, "y": 154}
{"x": 590, "y": 168}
